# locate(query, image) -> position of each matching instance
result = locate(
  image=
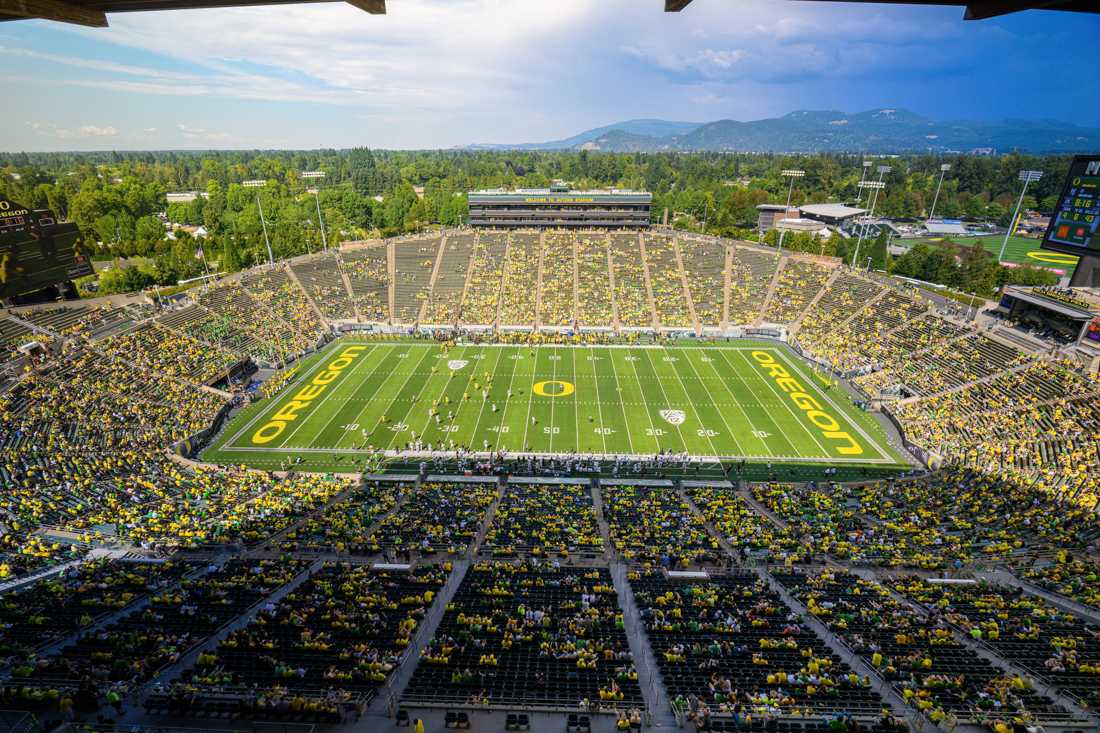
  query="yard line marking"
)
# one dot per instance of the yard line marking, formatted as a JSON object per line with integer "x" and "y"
{"x": 664, "y": 394}
{"x": 446, "y": 385}
{"x": 691, "y": 398}
{"x": 599, "y": 409}
{"x": 465, "y": 391}
{"x": 530, "y": 395}
{"x": 397, "y": 392}
{"x": 485, "y": 399}
{"x": 633, "y": 365}
{"x": 622, "y": 404}
{"x": 773, "y": 388}
{"x": 507, "y": 400}
{"x": 576, "y": 407}
{"x": 553, "y": 377}
{"x": 737, "y": 403}
{"x": 710, "y": 396}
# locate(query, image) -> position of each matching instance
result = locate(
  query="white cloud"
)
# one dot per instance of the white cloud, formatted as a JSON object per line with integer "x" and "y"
{"x": 94, "y": 131}
{"x": 49, "y": 129}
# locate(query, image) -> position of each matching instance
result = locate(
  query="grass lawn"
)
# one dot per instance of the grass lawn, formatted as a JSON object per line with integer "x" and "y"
{"x": 756, "y": 401}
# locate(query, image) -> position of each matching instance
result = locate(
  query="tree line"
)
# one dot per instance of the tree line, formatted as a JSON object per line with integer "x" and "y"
{"x": 118, "y": 198}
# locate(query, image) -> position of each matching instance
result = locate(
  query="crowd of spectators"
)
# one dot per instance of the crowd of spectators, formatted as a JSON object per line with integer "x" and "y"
{"x": 317, "y": 655}
{"x": 728, "y": 645}
{"x": 530, "y": 634}
{"x": 102, "y": 664}
{"x": 1053, "y": 645}
{"x": 919, "y": 654}
{"x": 654, "y": 526}
{"x": 557, "y": 522}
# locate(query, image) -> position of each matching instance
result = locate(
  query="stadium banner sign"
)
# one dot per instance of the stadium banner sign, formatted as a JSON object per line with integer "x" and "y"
{"x": 290, "y": 412}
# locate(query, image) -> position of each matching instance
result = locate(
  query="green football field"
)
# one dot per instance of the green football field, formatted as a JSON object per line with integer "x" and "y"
{"x": 749, "y": 400}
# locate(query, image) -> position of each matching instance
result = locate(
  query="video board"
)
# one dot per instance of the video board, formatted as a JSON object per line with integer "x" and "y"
{"x": 36, "y": 251}
{"x": 1073, "y": 227}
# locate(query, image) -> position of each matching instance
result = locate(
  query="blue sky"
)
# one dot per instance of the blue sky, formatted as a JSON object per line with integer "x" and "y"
{"x": 439, "y": 73}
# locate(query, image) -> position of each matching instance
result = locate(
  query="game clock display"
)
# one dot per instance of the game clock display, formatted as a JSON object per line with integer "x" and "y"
{"x": 1073, "y": 226}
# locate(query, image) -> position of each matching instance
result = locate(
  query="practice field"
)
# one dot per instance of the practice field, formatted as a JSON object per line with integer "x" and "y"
{"x": 1020, "y": 250}
{"x": 756, "y": 401}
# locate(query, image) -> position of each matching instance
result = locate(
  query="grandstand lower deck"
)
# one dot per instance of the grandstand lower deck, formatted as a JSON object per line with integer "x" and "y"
{"x": 526, "y": 596}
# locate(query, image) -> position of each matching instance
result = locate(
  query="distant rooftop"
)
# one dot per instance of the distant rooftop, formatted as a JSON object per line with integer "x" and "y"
{"x": 831, "y": 211}
{"x": 945, "y": 227}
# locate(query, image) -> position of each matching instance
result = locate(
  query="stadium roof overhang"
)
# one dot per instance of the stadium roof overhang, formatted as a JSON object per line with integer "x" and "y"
{"x": 94, "y": 12}
{"x": 975, "y": 9}
{"x": 1064, "y": 309}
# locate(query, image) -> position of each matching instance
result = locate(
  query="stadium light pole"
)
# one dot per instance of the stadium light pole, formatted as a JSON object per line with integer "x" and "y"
{"x": 792, "y": 174}
{"x": 317, "y": 197}
{"x": 943, "y": 169}
{"x": 1027, "y": 177}
{"x": 862, "y": 178}
{"x": 261, "y": 184}
{"x": 875, "y": 186}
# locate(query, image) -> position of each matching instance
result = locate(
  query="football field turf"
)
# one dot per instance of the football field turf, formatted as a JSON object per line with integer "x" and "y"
{"x": 751, "y": 400}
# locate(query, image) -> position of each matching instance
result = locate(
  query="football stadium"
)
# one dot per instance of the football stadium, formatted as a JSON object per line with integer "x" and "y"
{"x": 374, "y": 441}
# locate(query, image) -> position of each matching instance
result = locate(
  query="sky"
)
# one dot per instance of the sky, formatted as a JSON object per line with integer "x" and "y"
{"x": 441, "y": 73}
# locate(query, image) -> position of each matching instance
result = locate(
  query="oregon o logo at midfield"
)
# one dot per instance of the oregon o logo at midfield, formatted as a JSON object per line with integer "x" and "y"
{"x": 553, "y": 388}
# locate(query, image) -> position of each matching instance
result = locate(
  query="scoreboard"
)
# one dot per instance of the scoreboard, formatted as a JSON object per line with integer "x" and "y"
{"x": 36, "y": 251}
{"x": 1073, "y": 227}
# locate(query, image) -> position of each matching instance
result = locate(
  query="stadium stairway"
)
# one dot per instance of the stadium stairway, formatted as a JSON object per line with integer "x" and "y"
{"x": 797, "y": 322}
{"x": 385, "y": 702}
{"x": 985, "y": 652}
{"x": 312, "y": 303}
{"x": 1004, "y": 577}
{"x": 186, "y": 661}
{"x": 648, "y": 284}
{"x": 773, "y": 284}
{"x": 658, "y": 705}
{"x": 687, "y": 289}
{"x": 886, "y": 691}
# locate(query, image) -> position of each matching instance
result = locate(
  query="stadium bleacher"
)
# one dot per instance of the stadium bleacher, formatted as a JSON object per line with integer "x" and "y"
{"x": 138, "y": 584}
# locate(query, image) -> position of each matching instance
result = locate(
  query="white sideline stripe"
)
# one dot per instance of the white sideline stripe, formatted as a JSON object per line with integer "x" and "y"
{"x": 586, "y": 456}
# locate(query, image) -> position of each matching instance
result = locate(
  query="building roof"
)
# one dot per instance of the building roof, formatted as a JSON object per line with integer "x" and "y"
{"x": 831, "y": 211}
{"x": 771, "y": 207}
{"x": 546, "y": 195}
{"x": 944, "y": 227}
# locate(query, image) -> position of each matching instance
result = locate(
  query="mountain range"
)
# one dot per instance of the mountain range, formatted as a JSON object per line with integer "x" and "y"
{"x": 886, "y": 130}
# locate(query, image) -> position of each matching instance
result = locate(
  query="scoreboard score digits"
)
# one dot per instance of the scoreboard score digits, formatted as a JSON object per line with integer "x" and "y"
{"x": 35, "y": 251}
{"x": 1073, "y": 227}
